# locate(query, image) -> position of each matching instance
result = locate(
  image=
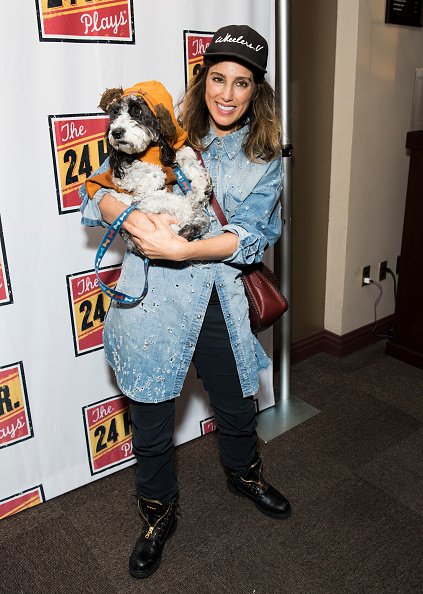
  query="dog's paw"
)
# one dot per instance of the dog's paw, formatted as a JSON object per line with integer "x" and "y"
{"x": 189, "y": 163}
{"x": 195, "y": 172}
{"x": 127, "y": 238}
{"x": 190, "y": 232}
{"x": 185, "y": 153}
{"x": 197, "y": 227}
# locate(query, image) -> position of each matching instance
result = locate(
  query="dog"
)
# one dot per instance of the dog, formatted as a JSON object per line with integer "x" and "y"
{"x": 145, "y": 142}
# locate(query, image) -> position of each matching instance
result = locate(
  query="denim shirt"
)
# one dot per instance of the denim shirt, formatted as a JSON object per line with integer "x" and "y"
{"x": 150, "y": 345}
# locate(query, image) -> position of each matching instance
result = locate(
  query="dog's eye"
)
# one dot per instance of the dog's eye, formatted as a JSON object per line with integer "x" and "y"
{"x": 136, "y": 110}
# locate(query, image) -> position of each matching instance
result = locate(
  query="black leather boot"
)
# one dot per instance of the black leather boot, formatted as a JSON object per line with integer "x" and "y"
{"x": 159, "y": 523}
{"x": 252, "y": 485}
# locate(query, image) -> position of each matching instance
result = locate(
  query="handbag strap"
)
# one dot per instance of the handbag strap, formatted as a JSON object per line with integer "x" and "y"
{"x": 213, "y": 201}
{"x": 219, "y": 212}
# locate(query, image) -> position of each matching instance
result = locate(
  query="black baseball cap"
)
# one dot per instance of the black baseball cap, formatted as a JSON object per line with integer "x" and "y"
{"x": 241, "y": 42}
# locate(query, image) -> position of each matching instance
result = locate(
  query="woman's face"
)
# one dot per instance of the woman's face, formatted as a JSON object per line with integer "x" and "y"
{"x": 229, "y": 90}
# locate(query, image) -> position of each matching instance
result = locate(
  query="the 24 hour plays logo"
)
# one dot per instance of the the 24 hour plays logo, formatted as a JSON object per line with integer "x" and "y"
{"x": 79, "y": 147}
{"x": 15, "y": 419}
{"x": 196, "y": 43}
{"x": 88, "y": 306}
{"x": 110, "y": 21}
{"x": 20, "y": 501}
{"x": 108, "y": 431}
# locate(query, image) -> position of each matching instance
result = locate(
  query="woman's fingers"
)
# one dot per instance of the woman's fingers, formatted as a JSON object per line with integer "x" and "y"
{"x": 161, "y": 243}
{"x": 162, "y": 219}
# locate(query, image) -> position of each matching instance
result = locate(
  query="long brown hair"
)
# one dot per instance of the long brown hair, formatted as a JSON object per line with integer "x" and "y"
{"x": 263, "y": 142}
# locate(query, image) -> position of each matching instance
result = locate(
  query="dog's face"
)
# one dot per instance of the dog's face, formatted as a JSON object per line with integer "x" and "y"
{"x": 133, "y": 127}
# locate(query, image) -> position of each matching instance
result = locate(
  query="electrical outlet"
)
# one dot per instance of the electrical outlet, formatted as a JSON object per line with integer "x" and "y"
{"x": 365, "y": 274}
{"x": 382, "y": 270}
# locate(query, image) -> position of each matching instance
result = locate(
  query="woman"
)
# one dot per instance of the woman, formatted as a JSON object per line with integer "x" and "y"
{"x": 196, "y": 309}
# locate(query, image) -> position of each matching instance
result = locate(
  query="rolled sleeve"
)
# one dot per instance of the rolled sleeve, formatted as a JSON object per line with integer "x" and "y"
{"x": 257, "y": 222}
{"x": 248, "y": 245}
{"x": 91, "y": 215}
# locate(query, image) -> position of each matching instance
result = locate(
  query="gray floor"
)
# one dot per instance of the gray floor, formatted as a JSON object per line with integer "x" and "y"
{"x": 354, "y": 474}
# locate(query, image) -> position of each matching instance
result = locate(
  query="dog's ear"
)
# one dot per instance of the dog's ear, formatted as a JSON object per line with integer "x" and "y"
{"x": 167, "y": 127}
{"x": 109, "y": 97}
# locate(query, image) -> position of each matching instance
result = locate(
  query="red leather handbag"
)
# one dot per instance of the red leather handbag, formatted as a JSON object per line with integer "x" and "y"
{"x": 266, "y": 303}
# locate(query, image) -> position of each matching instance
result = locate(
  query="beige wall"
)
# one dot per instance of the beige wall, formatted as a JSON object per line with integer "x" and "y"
{"x": 313, "y": 31}
{"x": 372, "y": 111}
{"x": 352, "y": 87}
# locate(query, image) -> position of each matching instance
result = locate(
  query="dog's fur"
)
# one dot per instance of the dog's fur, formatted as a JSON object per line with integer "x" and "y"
{"x": 133, "y": 128}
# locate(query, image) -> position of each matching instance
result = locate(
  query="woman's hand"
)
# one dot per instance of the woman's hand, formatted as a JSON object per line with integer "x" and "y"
{"x": 154, "y": 237}
{"x": 159, "y": 242}
{"x": 147, "y": 230}
{"x": 164, "y": 244}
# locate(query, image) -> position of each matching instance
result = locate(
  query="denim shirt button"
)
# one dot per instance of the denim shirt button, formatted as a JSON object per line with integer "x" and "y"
{"x": 199, "y": 316}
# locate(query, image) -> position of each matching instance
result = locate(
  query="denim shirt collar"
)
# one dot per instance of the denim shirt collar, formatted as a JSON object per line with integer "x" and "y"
{"x": 232, "y": 143}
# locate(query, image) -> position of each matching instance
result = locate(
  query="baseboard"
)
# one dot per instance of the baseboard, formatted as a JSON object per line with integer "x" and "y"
{"x": 339, "y": 346}
{"x": 404, "y": 354}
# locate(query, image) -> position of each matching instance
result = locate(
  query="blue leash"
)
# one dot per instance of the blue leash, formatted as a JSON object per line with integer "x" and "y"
{"x": 110, "y": 235}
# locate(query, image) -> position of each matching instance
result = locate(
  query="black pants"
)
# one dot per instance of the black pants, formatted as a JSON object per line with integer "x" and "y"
{"x": 153, "y": 424}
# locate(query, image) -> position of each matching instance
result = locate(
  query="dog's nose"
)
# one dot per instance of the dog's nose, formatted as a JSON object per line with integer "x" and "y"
{"x": 118, "y": 133}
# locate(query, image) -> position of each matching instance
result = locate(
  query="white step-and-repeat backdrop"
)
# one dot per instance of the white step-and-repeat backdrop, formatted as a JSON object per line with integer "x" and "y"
{"x": 63, "y": 422}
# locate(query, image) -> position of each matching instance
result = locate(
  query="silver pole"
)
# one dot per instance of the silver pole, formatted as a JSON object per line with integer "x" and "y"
{"x": 288, "y": 411}
{"x": 283, "y": 85}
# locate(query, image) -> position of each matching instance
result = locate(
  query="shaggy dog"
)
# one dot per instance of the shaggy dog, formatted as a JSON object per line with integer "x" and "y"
{"x": 145, "y": 142}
